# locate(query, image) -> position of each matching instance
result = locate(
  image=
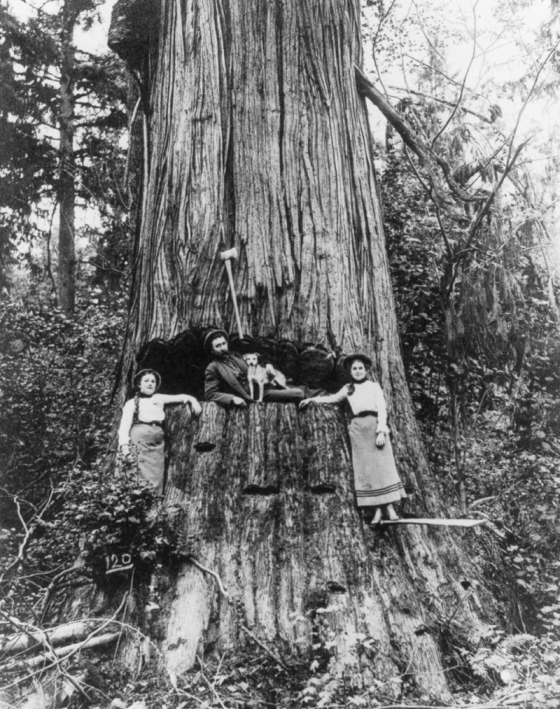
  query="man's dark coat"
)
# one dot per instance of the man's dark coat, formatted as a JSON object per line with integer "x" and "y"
{"x": 220, "y": 382}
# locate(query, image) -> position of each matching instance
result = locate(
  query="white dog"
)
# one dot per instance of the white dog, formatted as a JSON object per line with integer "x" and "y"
{"x": 257, "y": 374}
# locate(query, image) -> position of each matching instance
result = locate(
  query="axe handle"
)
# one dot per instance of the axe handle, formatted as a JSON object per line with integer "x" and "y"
{"x": 234, "y": 297}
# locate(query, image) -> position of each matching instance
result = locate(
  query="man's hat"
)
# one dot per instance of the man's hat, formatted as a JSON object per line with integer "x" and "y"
{"x": 211, "y": 336}
{"x": 138, "y": 377}
{"x": 347, "y": 361}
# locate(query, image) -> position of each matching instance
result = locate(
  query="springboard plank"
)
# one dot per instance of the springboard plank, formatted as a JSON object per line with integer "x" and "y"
{"x": 435, "y": 522}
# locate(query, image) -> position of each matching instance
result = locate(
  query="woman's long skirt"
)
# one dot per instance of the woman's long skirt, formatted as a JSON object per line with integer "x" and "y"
{"x": 149, "y": 450}
{"x": 376, "y": 479}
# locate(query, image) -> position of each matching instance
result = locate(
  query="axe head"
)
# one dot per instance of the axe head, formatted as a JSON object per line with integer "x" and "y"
{"x": 229, "y": 254}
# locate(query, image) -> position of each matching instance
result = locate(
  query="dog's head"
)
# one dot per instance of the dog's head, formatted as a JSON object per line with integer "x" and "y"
{"x": 252, "y": 360}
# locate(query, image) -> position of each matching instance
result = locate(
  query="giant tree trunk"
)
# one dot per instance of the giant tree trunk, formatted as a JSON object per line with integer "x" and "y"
{"x": 258, "y": 138}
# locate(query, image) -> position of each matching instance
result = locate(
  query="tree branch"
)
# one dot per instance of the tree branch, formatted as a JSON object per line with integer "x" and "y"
{"x": 486, "y": 206}
{"x": 409, "y": 137}
{"x": 463, "y": 84}
{"x": 374, "y": 41}
{"x": 443, "y": 102}
{"x": 102, "y": 268}
{"x": 226, "y": 595}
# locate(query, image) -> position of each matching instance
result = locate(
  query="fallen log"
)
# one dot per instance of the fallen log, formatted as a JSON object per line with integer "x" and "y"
{"x": 59, "y": 653}
{"x": 61, "y": 634}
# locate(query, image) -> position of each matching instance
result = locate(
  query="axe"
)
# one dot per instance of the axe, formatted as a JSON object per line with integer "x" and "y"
{"x": 227, "y": 257}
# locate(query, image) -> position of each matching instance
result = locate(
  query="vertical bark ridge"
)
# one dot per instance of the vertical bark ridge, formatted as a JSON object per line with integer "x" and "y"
{"x": 272, "y": 87}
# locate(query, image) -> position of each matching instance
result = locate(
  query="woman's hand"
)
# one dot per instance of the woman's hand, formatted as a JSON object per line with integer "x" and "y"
{"x": 238, "y": 401}
{"x": 380, "y": 440}
{"x": 195, "y": 406}
{"x": 304, "y": 403}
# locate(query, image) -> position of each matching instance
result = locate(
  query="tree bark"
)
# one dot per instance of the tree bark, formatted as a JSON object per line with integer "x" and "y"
{"x": 270, "y": 509}
{"x": 258, "y": 138}
{"x": 66, "y": 185}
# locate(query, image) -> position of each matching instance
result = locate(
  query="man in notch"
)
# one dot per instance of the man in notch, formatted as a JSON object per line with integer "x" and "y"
{"x": 225, "y": 378}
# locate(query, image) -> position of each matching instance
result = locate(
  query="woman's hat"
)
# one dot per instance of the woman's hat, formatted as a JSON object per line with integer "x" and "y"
{"x": 211, "y": 336}
{"x": 138, "y": 378}
{"x": 347, "y": 361}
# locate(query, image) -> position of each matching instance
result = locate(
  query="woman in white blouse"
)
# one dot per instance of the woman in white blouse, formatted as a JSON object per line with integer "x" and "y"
{"x": 377, "y": 482}
{"x": 142, "y": 426}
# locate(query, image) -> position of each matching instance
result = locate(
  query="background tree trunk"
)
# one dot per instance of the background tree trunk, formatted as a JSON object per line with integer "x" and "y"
{"x": 66, "y": 186}
{"x": 258, "y": 138}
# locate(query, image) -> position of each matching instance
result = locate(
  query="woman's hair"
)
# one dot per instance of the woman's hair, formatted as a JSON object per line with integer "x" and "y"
{"x": 138, "y": 378}
{"x": 369, "y": 376}
{"x": 350, "y": 359}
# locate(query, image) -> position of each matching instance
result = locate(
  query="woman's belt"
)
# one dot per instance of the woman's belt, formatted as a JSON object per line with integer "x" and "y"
{"x": 150, "y": 423}
{"x": 361, "y": 414}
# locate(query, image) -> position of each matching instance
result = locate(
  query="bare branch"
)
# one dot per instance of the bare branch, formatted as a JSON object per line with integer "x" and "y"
{"x": 206, "y": 570}
{"x": 451, "y": 104}
{"x": 102, "y": 268}
{"x": 443, "y": 75}
{"x": 530, "y": 94}
{"x": 431, "y": 194}
{"x": 210, "y": 685}
{"x": 409, "y": 137}
{"x": 463, "y": 83}
{"x": 24, "y": 544}
{"x": 53, "y": 585}
{"x": 193, "y": 561}
{"x": 94, "y": 639}
{"x": 486, "y": 206}
{"x": 374, "y": 42}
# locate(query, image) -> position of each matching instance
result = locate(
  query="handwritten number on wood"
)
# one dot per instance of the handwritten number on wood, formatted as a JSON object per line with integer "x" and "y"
{"x": 113, "y": 562}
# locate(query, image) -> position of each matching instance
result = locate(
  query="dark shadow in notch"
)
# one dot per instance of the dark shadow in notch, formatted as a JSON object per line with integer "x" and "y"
{"x": 259, "y": 490}
{"x": 204, "y": 446}
{"x": 322, "y": 489}
{"x": 335, "y": 587}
